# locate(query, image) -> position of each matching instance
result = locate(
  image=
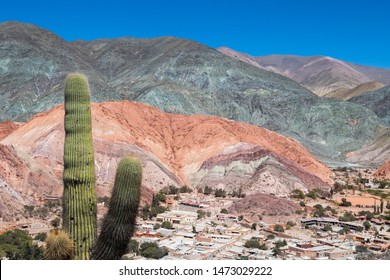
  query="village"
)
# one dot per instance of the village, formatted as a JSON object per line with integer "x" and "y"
{"x": 188, "y": 224}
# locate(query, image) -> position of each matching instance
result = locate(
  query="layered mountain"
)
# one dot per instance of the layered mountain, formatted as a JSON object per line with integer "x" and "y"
{"x": 323, "y": 75}
{"x": 377, "y": 101}
{"x": 173, "y": 150}
{"x": 253, "y": 168}
{"x": 177, "y": 76}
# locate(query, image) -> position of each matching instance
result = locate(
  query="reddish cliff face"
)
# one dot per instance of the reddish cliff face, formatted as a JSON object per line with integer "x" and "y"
{"x": 7, "y": 128}
{"x": 181, "y": 142}
{"x": 171, "y": 147}
{"x": 383, "y": 172}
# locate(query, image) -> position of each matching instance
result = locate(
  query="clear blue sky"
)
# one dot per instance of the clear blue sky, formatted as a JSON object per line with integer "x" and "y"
{"x": 355, "y": 31}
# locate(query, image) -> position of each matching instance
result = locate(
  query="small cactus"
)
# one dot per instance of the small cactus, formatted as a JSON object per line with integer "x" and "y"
{"x": 58, "y": 246}
{"x": 119, "y": 223}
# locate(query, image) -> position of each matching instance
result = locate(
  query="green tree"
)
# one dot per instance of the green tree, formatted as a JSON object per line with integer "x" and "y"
{"x": 220, "y": 193}
{"x": 207, "y": 190}
{"x": 18, "y": 245}
{"x": 319, "y": 211}
{"x": 361, "y": 249}
{"x": 252, "y": 244}
{"x": 254, "y": 226}
{"x": 145, "y": 211}
{"x": 367, "y": 225}
{"x": 347, "y": 217}
{"x": 151, "y": 250}
{"x": 133, "y": 247}
{"x": 185, "y": 189}
{"x": 156, "y": 226}
{"x": 173, "y": 190}
{"x": 161, "y": 197}
{"x": 166, "y": 225}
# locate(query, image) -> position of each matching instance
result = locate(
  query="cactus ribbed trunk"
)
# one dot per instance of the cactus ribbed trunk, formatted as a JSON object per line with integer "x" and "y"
{"x": 79, "y": 214}
{"x": 119, "y": 223}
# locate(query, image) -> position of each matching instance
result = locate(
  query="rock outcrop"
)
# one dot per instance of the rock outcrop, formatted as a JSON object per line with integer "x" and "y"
{"x": 6, "y": 128}
{"x": 383, "y": 172}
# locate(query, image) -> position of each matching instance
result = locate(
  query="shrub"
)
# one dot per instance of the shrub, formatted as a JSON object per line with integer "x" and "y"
{"x": 58, "y": 246}
{"x": 345, "y": 203}
{"x": 18, "y": 245}
{"x": 298, "y": 194}
{"x": 224, "y": 211}
{"x": 41, "y": 236}
{"x": 279, "y": 228}
{"x": 166, "y": 225}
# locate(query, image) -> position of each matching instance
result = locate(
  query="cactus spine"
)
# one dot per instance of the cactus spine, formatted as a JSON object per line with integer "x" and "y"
{"x": 118, "y": 225}
{"x": 79, "y": 214}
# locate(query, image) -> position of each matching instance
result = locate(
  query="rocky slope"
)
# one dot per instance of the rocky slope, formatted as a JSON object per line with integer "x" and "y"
{"x": 265, "y": 205}
{"x": 383, "y": 172}
{"x": 6, "y": 128}
{"x": 177, "y": 76}
{"x": 172, "y": 148}
{"x": 378, "y": 101}
{"x": 23, "y": 181}
{"x": 375, "y": 153}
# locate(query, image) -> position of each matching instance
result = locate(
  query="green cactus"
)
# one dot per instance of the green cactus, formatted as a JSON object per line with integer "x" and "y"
{"x": 119, "y": 223}
{"x": 79, "y": 214}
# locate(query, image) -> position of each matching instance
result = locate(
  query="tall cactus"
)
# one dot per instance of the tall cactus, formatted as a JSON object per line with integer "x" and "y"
{"x": 118, "y": 225}
{"x": 79, "y": 214}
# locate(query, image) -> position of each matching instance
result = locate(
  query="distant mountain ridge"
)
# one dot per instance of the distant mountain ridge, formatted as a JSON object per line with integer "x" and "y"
{"x": 323, "y": 75}
{"x": 176, "y": 76}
